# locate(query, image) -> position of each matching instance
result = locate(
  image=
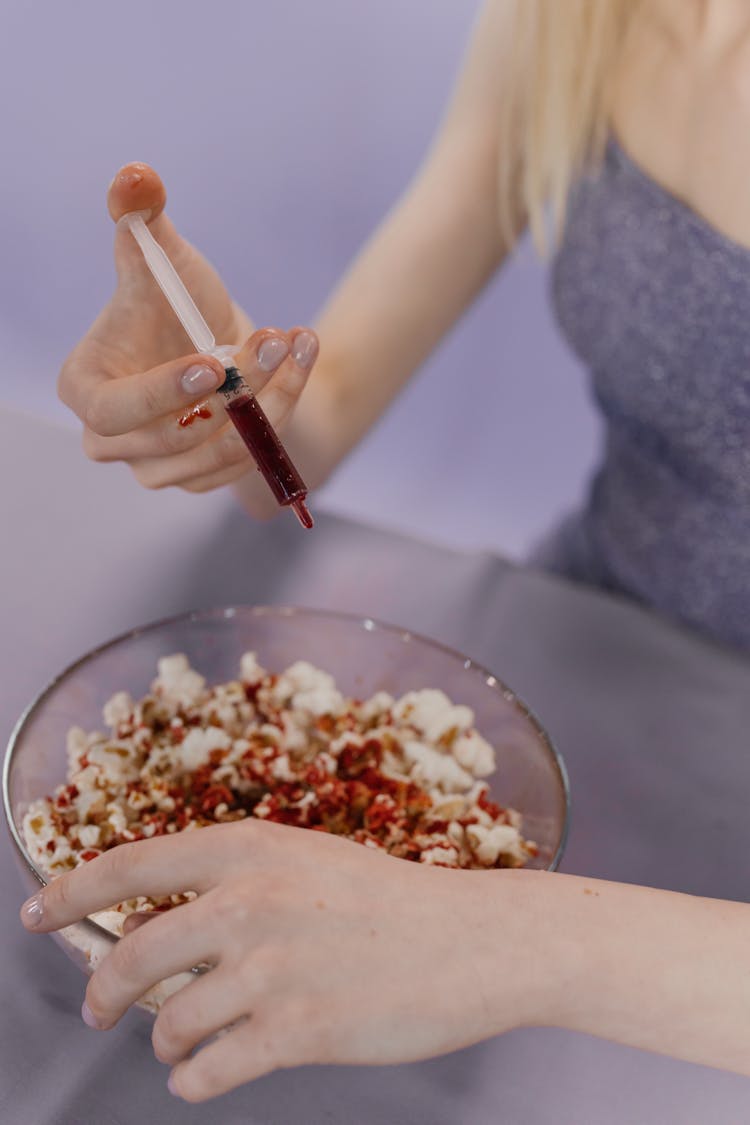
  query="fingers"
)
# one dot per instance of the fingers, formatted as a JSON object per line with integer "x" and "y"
{"x": 175, "y": 433}
{"x": 223, "y": 452}
{"x": 161, "y": 866}
{"x": 147, "y": 419}
{"x": 280, "y": 395}
{"x": 174, "y": 942}
{"x": 210, "y": 1003}
{"x": 262, "y": 355}
{"x": 279, "y": 368}
{"x": 198, "y": 485}
{"x": 134, "y": 921}
{"x": 155, "y": 402}
{"x": 116, "y": 406}
{"x": 251, "y": 1050}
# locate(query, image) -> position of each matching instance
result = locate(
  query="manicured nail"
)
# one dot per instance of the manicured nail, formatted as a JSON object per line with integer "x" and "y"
{"x": 199, "y": 379}
{"x": 272, "y": 352}
{"x": 171, "y": 1086}
{"x": 305, "y": 349}
{"x": 31, "y": 912}
{"x": 89, "y": 1018}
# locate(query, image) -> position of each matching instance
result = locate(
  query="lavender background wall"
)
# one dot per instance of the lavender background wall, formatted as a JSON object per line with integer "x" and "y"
{"x": 284, "y": 131}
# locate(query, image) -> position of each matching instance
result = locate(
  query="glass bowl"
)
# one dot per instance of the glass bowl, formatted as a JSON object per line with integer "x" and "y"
{"x": 363, "y": 655}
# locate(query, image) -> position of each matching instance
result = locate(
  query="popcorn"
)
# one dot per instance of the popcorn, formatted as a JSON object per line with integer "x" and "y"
{"x": 196, "y": 747}
{"x": 308, "y": 690}
{"x": 90, "y": 802}
{"x": 442, "y": 854}
{"x": 76, "y": 744}
{"x": 88, "y": 834}
{"x": 116, "y": 762}
{"x": 475, "y": 754}
{"x": 291, "y": 733}
{"x": 177, "y": 681}
{"x": 117, "y": 819}
{"x": 435, "y": 769}
{"x": 489, "y": 843}
{"x": 376, "y": 706}
{"x": 251, "y": 671}
{"x": 281, "y": 768}
{"x": 402, "y": 776}
{"x": 118, "y": 710}
{"x": 432, "y": 713}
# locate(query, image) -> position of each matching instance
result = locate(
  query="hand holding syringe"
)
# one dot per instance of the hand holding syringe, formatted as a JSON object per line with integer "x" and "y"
{"x": 134, "y": 387}
{"x": 241, "y": 405}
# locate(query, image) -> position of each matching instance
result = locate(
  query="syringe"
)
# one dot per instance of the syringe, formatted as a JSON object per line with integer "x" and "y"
{"x": 241, "y": 405}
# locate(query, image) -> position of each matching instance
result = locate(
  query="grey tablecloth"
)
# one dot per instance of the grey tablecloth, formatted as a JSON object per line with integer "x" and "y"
{"x": 652, "y": 721}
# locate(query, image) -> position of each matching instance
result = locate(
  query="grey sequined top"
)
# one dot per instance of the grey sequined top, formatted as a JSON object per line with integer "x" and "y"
{"x": 656, "y": 302}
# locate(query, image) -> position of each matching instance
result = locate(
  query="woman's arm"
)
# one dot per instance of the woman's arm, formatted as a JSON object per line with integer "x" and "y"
{"x": 341, "y": 954}
{"x": 655, "y": 969}
{"x": 415, "y": 277}
{"x": 129, "y": 384}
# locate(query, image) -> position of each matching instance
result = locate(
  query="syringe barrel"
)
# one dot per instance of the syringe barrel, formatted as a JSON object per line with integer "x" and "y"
{"x": 261, "y": 439}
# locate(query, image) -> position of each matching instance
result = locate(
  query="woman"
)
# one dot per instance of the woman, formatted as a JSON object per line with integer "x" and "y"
{"x": 339, "y": 954}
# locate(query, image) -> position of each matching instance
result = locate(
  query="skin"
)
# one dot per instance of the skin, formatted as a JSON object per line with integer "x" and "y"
{"x": 338, "y": 954}
{"x": 124, "y": 379}
{"x": 682, "y": 106}
{"x": 273, "y": 905}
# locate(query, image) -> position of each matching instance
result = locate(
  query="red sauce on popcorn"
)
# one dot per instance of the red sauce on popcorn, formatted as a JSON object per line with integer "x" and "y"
{"x": 349, "y": 777}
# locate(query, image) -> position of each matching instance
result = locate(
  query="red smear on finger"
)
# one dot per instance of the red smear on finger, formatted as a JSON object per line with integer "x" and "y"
{"x": 200, "y": 411}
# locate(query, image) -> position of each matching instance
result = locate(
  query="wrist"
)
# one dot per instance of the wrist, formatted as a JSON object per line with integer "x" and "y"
{"x": 532, "y": 958}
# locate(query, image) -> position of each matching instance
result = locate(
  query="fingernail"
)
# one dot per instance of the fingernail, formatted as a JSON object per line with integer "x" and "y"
{"x": 89, "y": 1018}
{"x": 31, "y": 912}
{"x": 171, "y": 1086}
{"x": 271, "y": 352}
{"x": 133, "y": 921}
{"x": 304, "y": 349}
{"x": 198, "y": 379}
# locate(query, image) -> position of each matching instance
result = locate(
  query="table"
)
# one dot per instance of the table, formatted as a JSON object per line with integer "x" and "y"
{"x": 652, "y": 721}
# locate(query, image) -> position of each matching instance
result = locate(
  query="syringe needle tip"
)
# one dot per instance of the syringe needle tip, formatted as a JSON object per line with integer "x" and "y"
{"x": 302, "y": 512}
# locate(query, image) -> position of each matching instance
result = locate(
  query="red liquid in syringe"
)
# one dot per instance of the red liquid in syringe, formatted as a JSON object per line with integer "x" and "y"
{"x": 269, "y": 454}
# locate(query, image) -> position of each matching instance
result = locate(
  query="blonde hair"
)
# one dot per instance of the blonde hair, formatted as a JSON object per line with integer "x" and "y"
{"x": 556, "y": 112}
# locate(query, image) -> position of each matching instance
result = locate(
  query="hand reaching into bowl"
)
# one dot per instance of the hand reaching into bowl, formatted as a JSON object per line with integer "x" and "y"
{"x": 325, "y": 951}
{"x": 130, "y": 381}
